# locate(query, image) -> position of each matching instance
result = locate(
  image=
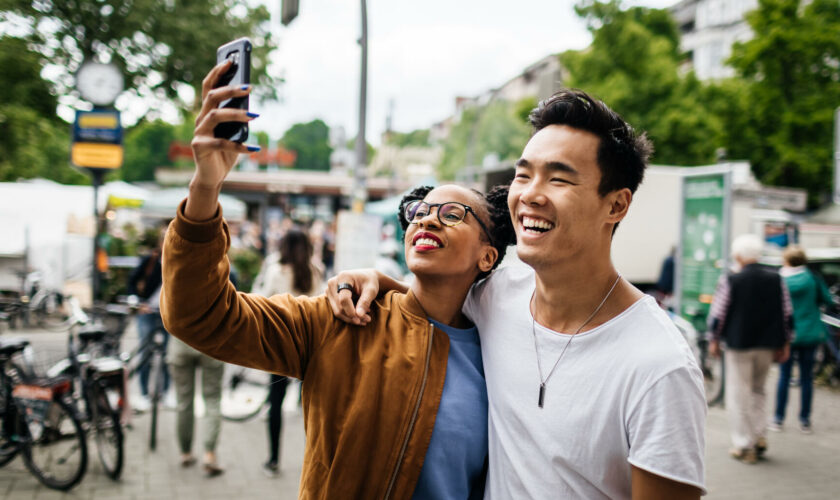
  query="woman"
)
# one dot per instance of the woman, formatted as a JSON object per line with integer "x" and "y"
{"x": 807, "y": 293}
{"x": 393, "y": 409}
{"x": 293, "y": 272}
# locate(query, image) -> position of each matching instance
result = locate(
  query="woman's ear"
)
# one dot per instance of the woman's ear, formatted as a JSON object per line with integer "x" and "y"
{"x": 488, "y": 258}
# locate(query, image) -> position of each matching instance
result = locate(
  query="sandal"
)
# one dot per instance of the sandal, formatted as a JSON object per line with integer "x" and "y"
{"x": 212, "y": 469}
{"x": 187, "y": 461}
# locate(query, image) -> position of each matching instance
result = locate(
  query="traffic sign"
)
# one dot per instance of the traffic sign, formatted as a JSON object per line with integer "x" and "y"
{"x": 93, "y": 155}
{"x": 97, "y": 139}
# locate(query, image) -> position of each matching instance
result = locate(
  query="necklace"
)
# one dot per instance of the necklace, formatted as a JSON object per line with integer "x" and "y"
{"x": 544, "y": 381}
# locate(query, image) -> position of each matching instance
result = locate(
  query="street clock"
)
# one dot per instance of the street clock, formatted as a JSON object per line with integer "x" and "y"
{"x": 99, "y": 83}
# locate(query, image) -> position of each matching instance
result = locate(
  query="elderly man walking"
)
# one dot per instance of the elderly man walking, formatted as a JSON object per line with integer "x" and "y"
{"x": 752, "y": 314}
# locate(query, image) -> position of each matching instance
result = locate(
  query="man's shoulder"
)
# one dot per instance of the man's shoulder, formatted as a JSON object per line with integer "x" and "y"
{"x": 652, "y": 340}
{"x": 514, "y": 275}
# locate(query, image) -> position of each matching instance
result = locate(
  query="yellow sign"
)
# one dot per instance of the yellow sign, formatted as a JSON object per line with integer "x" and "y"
{"x": 88, "y": 154}
{"x": 99, "y": 120}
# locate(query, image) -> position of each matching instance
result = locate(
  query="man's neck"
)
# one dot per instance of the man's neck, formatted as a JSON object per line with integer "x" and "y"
{"x": 568, "y": 293}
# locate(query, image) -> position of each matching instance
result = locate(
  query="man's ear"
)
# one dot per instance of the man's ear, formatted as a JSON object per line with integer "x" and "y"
{"x": 619, "y": 201}
{"x": 488, "y": 258}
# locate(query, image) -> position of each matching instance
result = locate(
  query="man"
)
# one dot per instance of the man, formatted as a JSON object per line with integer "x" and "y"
{"x": 751, "y": 312}
{"x": 592, "y": 391}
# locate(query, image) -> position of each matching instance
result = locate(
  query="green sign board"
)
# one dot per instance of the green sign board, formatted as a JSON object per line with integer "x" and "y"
{"x": 703, "y": 243}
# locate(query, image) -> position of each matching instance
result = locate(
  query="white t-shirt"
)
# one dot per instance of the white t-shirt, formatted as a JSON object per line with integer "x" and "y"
{"x": 626, "y": 392}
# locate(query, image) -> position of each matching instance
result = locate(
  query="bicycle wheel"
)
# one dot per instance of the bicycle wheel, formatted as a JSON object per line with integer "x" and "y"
{"x": 108, "y": 432}
{"x": 8, "y": 418}
{"x": 713, "y": 379}
{"x": 155, "y": 393}
{"x": 244, "y": 393}
{"x": 55, "y": 449}
{"x": 51, "y": 312}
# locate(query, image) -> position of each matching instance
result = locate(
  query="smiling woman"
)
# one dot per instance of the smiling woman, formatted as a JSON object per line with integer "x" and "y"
{"x": 429, "y": 400}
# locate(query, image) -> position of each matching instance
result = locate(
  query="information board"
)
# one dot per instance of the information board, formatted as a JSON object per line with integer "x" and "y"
{"x": 704, "y": 235}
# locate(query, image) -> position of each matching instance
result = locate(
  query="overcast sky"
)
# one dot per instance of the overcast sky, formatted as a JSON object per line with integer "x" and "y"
{"x": 421, "y": 54}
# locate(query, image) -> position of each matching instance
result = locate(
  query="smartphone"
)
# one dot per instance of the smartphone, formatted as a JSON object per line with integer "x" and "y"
{"x": 238, "y": 74}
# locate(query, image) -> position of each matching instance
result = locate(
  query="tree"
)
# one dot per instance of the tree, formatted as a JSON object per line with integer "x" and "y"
{"x": 34, "y": 146}
{"x": 498, "y": 128}
{"x": 311, "y": 143}
{"x": 160, "y": 45}
{"x": 633, "y": 65}
{"x": 33, "y": 141}
{"x": 419, "y": 138}
{"x": 791, "y": 70}
{"x": 146, "y": 147}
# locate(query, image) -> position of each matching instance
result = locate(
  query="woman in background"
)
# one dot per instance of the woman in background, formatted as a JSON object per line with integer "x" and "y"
{"x": 295, "y": 273}
{"x": 807, "y": 293}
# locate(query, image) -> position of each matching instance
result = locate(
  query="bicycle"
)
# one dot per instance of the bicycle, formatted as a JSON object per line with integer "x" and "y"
{"x": 244, "y": 393}
{"x": 99, "y": 388}
{"x": 39, "y": 422}
{"x": 107, "y": 370}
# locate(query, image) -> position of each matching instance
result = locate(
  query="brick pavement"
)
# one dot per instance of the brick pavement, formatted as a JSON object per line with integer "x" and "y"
{"x": 798, "y": 466}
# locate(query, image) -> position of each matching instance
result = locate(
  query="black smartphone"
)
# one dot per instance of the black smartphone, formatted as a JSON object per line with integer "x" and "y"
{"x": 238, "y": 74}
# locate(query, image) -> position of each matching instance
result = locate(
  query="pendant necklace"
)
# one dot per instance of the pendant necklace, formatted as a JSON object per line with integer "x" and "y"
{"x": 544, "y": 381}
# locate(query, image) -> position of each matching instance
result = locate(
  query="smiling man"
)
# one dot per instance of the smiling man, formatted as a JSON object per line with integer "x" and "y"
{"x": 592, "y": 391}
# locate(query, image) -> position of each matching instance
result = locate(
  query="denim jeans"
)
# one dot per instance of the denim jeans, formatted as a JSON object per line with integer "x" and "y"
{"x": 146, "y": 326}
{"x": 805, "y": 355}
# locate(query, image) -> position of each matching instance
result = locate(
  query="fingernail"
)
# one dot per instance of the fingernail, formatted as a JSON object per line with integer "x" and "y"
{"x": 246, "y": 87}
{"x": 253, "y": 148}
{"x": 252, "y": 115}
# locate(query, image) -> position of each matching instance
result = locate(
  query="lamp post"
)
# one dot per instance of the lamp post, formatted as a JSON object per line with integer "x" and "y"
{"x": 359, "y": 177}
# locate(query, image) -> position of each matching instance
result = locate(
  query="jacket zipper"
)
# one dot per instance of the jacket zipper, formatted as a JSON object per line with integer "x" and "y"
{"x": 413, "y": 416}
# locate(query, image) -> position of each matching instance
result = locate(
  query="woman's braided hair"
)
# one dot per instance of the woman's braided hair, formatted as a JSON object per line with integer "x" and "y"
{"x": 495, "y": 202}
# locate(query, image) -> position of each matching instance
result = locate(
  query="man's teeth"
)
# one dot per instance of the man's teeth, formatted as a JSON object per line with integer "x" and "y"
{"x": 426, "y": 242}
{"x": 536, "y": 224}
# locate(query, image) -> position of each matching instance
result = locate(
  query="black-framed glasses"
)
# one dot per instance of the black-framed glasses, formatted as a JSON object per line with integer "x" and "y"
{"x": 449, "y": 214}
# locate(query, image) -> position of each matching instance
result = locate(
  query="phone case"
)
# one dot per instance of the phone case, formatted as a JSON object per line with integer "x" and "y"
{"x": 238, "y": 74}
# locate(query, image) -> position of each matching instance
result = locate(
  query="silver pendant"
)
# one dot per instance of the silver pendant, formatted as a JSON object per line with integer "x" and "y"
{"x": 542, "y": 395}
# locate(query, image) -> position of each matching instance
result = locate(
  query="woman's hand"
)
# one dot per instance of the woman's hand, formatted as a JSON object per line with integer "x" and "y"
{"x": 214, "y": 157}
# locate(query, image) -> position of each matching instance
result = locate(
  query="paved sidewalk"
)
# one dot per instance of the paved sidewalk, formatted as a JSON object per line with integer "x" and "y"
{"x": 798, "y": 466}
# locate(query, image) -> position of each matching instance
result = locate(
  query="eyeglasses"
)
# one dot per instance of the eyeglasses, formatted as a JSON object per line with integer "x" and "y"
{"x": 449, "y": 214}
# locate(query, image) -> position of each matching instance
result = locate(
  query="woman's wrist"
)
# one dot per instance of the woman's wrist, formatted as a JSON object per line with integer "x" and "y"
{"x": 202, "y": 201}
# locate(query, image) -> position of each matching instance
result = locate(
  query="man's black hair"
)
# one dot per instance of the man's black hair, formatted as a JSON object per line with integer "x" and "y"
{"x": 500, "y": 226}
{"x": 622, "y": 153}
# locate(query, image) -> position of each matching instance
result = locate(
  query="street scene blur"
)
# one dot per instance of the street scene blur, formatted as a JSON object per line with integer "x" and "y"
{"x": 359, "y": 103}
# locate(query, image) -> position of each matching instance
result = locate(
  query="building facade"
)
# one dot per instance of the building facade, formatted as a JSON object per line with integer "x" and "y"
{"x": 709, "y": 28}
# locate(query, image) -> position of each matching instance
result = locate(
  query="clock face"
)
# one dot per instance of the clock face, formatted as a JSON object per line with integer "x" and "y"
{"x": 99, "y": 83}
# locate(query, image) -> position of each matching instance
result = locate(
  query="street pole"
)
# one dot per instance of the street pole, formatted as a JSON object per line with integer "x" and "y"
{"x": 97, "y": 175}
{"x": 837, "y": 155}
{"x": 359, "y": 178}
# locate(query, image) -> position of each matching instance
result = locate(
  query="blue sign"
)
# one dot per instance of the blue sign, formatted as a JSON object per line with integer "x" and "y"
{"x": 98, "y": 127}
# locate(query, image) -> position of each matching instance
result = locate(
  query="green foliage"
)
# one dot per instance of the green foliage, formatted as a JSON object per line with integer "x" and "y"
{"x": 158, "y": 44}
{"x": 351, "y": 145}
{"x": 247, "y": 263}
{"x": 33, "y": 141}
{"x": 792, "y": 82}
{"x": 497, "y": 128}
{"x": 418, "y": 138}
{"x": 146, "y": 148}
{"x": 20, "y": 80}
{"x": 34, "y": 146}
{"x": 633, "y": 64}
{"x": 311, "y": 143}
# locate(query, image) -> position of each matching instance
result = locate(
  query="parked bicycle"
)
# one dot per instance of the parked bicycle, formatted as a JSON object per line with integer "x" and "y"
{"x": 99, "y": 387}
{"x": 38, "y": 421}
{"x": 102, "y": 344}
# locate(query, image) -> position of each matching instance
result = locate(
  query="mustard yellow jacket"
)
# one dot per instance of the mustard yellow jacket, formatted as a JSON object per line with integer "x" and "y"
{"x": 370, "y": 394}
